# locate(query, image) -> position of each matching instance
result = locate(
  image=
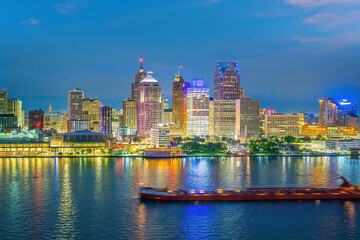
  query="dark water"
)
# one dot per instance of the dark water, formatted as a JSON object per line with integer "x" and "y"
{"x": 87, "y": 198}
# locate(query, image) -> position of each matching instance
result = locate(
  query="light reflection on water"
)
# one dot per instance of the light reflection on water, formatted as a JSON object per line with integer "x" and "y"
{"x": 98, "y": 198}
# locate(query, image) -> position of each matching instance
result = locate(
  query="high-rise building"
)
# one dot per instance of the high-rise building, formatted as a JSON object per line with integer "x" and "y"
{"x": 179, "y": 104}
{"x": 280, "y": 125}
{"x": 167, "y": 116}
{"x": 130, "y": 113}
{"x": 56, "y": 122}
{"x": 327, "y": 112}
{"x": 36, "y": 119}
{"x": 8, "y": 122}
{"x": 166, "y": 103}
{"x": 139, "y": 76}
{"x": 105, "y": 113}
{"x": 211, "y": 117}
{"x": 160, "y": 136}
{"x": 75, "y": 104}
{"x": 344, "y": 109}
{"x": 3, "y": 102}
{"x": 226, "y": 91}
{"x": 148, "y": 105}
{"x": 90, "y": 112}
{"x": 247, "y": 118}
{"x": 14, "y": 106}
{"x": 197, "y": 105}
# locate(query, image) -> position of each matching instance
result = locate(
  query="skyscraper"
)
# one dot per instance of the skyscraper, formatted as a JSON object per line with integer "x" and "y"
{"x": 105, "y": 113}
{"x": 75, "y": 104}
{"x": 148, "y": 105}
{"x": 179, "y": 104}
{"x": 197, "y": 100}
{"x": 280, "y": 125}
{"x": 36, "y": 119}
{"x": 14, "y": 106}
{"x": 344, "y": 111}
{"x": 139, "y": 76}
{"x": 327, "y": 112}
{"x": 226, "y": 91}
{"x": 211, "y": 117}
{"x": 90, "y": 112}
{"x": 247, "y": 118}
{"x": 130, "y": 113}
{"x": 3, "y": 102}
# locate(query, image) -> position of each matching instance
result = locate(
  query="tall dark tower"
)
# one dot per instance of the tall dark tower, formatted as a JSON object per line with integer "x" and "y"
{"x": 139, "y": 76}
{"x": 226, "y": 91}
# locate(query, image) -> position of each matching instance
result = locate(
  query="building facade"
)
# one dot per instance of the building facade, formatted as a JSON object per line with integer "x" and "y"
{"x": 160, "y": 136}
{"x": 14, "y": 106}
{"x": 179, "y": 104}
{"x": 130, "y": 113}
{"x": 3, "y": 102}
{"x": 327, "y": 112}
{"x": 211, "y": 117}
{"x": 90, "y": 112}
{"x": 226, "y": 91}
{"x": 197, "y": 105}
{"x": 280, "y": 125}
{"x": 139, "y": 76}
{"x": 36, "y": 119}
{"x": 148, "y": 105}
{"x": 105, "y": 119}
{"x": 247, "y": 118}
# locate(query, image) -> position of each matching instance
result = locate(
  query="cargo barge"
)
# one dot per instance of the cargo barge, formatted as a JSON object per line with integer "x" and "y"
{"x": 346, "y": 191}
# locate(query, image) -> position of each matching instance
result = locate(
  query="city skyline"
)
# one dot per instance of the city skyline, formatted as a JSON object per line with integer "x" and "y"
{"x": 297, "y": 51}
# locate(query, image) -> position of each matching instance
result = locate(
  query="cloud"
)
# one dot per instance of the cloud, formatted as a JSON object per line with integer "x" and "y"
{"x": 30, "y": 21}
{"x": 302, "y": 39}
{"x": 332, "y": 20}
{"x": 70, "y": 7}
{"x": 318, "y": 3}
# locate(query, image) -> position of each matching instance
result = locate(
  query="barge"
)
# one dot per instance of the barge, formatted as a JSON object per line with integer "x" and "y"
{"x": 163, "y": 152}
{"x": 346, "y": 191}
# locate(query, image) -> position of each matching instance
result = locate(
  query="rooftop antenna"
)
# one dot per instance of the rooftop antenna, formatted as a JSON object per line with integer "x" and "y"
{"x": 179, "y": 70}
{"x": 141, "y": 61}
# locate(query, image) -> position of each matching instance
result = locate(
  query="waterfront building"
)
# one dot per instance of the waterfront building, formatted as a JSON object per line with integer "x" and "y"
{"x": 197, "y": 105}
{"x": 226, "y": 91}
{"x": 8, "y": 122}
{"x": 139, "y": 76}
{"x": 124, "y": 131}
{"x": 179, "y": 103}
{"x": 3, "y": 102}
{"x": 90, "y": 112}
{"x": 211, "y": 117}
{"x": 14, "y": 106}
{"x": 36, "y": 119}
{"x": 105, "y": 113}
{"x": 281, "y": 125}
{"x": 327, "y": 112}
{"x": 167, "y": 116}
{"x": 130, "y": 113}
{"x": 148, "y": 105}
{"x": 160, "y": 136}
{"x": 247, "y": 118}
{"x": 78, "y": 125}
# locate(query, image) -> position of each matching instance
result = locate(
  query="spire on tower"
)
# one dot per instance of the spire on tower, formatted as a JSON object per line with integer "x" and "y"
{"x": 141, "y": 61}
{"x": 178, "y": 74}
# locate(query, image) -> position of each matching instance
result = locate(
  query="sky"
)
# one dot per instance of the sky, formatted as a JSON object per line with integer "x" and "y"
{"x": 290, "y": 53}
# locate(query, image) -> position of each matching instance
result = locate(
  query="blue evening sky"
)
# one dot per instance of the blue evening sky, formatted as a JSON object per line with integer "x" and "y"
{"x": 290, "y": 52}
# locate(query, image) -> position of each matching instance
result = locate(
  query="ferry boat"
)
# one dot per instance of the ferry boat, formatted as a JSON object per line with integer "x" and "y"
{"x": 163, "y": 152}
{"x": 346, "y": 191}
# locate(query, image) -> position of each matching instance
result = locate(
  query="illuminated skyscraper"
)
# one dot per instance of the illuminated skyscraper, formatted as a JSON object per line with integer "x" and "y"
{"x": 148, "y": 105}
{"x": 75, "y": 104}
{"x": 211, "y": 117}
{"x": 280, "y": 125}
{"x": 226, "y": 91}
{"x": 344, "y": 111}
{"x": 197, "y": 99}
{"x": 139, "y": 76}
{"x": 3, "y": 102}
{"x": 247, "y": 118}
{"x": 327, "y": 112}
{"x": 130, "y": 113}
{"x": 14, "y": 106}
{"x": 105, "y": 113}
{"x": 90, "y": 112}
{"x": 179, "y": 104}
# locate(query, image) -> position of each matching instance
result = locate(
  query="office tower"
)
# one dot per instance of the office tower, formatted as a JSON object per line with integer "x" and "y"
{"x": 8, "y": 122}
{"x": 36, "y": 119}
{"x": 179, "y": 104}
{"x": 167, "y": 116}
{"x": 105, "y": 113}
{"x": 3, "y": 102}
{"x": 139, "y": 76}
{"x": 160, "y": 136}
{"x": 75, "y": 104}
{"x": 327, "y": 112}
{"x": 211, "y": 117}
{"x": 226, "y": 91}
{"x": 90, "y": 112}
{"x": 166, "y": 103}
{"x": 344, "y": 110}
{"x": 242, "y": 92}
{"x": 148, "y": 105}
{"x": 14, "y": 106}
{"x": 247, "y": 118}
{"x": 280, "y": 125}
{"x": 130, "y": 113}
{"x": 56, "y": 121}
{"x": 197, "y": 105}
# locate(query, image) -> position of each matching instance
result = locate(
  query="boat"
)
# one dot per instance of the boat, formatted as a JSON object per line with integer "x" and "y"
{"x": 163, "y": 152}
{"x": 346, "y": 191}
